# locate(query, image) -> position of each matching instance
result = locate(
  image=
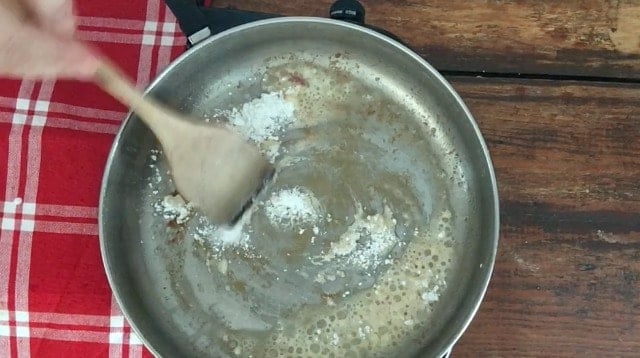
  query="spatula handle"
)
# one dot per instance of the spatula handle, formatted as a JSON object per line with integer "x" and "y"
{"x": 114, "y": 82}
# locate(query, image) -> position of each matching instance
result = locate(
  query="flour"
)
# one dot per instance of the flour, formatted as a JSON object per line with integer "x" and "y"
{"x": 234, "y": 235}
{"x": 367, "y": 242}
{"x": 430, "y": 296}
{"x": 293, "y": 206}
{"x": 335, "y": 339}
{"x": 156, "y": 178}
{"x": 261, "y": 120}
{"x": 265, "y": 117}
{"x": 174, "y": 207}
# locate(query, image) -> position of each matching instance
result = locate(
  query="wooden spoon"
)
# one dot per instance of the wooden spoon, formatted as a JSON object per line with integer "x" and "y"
{"x": 214, "y": 168}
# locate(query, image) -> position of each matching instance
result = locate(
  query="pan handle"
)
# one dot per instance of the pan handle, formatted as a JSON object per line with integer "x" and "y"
{"x": 191, "y": 20}
{"x": 198, "y": 22}
{"x": 352, "y": 11}
{"x": 348, "y": 10}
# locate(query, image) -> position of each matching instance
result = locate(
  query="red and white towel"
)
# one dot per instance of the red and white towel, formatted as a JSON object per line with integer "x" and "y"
{"x": 54, "y": 140}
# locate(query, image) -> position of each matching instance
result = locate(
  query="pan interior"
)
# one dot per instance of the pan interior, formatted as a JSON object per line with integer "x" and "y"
{"x": 362, "y": 243}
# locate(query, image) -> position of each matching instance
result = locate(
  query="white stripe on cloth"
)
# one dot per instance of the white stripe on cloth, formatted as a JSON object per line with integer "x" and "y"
{"x": 116, "y": 330}
{"x": 29, "y": 223}
{"x": 83, "y": 330}
{"x": 167, "y": 41}
{"x": 60, "y": 121}
{"x": 23, "y": 264}
{"x": 65, "y": 228}
{"x": 67, "y": 211}
{"x": 76, "y": 125}
{"x": 14, "y": 166}
{"x": 78, "y": 111}
{"x": 109, "y": 22}
{"x": 146, "y": 47}
{"x": 135, "y": 346}
{"x": 69, "y": 335}
{"x": 80, "y": 320}
{"x": 87, "y": 112}
{"x": 67, "y": 123}
{"x": 151, "y": 33}
{"x": 131, "y": 25}
{"x": 109, "y": 37}
{"x": 4, "y": 345}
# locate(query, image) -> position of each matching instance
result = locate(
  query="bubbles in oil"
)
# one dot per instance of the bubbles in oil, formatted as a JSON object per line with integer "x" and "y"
{"x": 396, "y": 307}
{"x": 396, "y": 311}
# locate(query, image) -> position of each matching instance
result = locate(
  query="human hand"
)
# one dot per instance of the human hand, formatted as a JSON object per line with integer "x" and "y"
{"x": 37, "y": 41}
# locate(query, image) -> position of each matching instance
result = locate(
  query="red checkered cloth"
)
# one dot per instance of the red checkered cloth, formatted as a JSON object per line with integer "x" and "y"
{"x": 55, "y": 136}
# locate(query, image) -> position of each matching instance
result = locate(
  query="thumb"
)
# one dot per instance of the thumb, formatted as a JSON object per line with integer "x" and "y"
{"x": 30, "y": 53}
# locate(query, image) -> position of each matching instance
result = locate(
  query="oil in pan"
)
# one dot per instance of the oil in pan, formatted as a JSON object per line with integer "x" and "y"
{"x": 347, "y": 250}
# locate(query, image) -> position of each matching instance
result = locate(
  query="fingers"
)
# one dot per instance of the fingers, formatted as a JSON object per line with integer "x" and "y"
{"x": 54, "y": 15}
{"x": 36, "y": 41}
{"x": 17, "y": 9}
{"x": 30, "y": 53}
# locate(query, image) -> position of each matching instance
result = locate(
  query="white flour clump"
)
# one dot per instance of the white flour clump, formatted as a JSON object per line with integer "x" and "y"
{"x": 431, "y": 296}
{"x": 173, "y": 207}
{"x": 264, "y": 117}
{"x": 156, "y": 178}
{"x": 292, "y": 207}
{"x": 223, "y": 236}
{"x": 367, "y": 241}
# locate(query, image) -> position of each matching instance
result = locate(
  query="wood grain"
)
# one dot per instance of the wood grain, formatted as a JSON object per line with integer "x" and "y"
{"x": 567, "y": 276}
{"x": 575, "y": 38}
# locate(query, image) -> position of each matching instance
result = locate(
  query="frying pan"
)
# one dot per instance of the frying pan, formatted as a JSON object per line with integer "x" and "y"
{"x": 404, "y": 237}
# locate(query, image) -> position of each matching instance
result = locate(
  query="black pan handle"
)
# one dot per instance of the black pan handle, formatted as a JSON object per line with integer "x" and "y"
{"x": 348, "y": 10}
{"x": 191, "y": 20}
{"x": 223, "y": 19}
{"x": 353, "y": 11}
{"x": 198, "y": 22}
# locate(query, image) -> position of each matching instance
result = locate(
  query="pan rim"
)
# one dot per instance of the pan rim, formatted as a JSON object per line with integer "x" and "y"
{"x": 467, "y": 318}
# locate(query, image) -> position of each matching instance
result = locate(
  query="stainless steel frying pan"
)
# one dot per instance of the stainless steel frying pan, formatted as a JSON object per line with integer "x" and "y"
{"x": 397, "y": 251}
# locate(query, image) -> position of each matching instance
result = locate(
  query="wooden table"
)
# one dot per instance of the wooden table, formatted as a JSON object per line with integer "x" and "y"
{"x": 555, "y": 88}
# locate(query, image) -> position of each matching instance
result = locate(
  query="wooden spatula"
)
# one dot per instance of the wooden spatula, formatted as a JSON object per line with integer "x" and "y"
{"x": 214, "y": 168}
